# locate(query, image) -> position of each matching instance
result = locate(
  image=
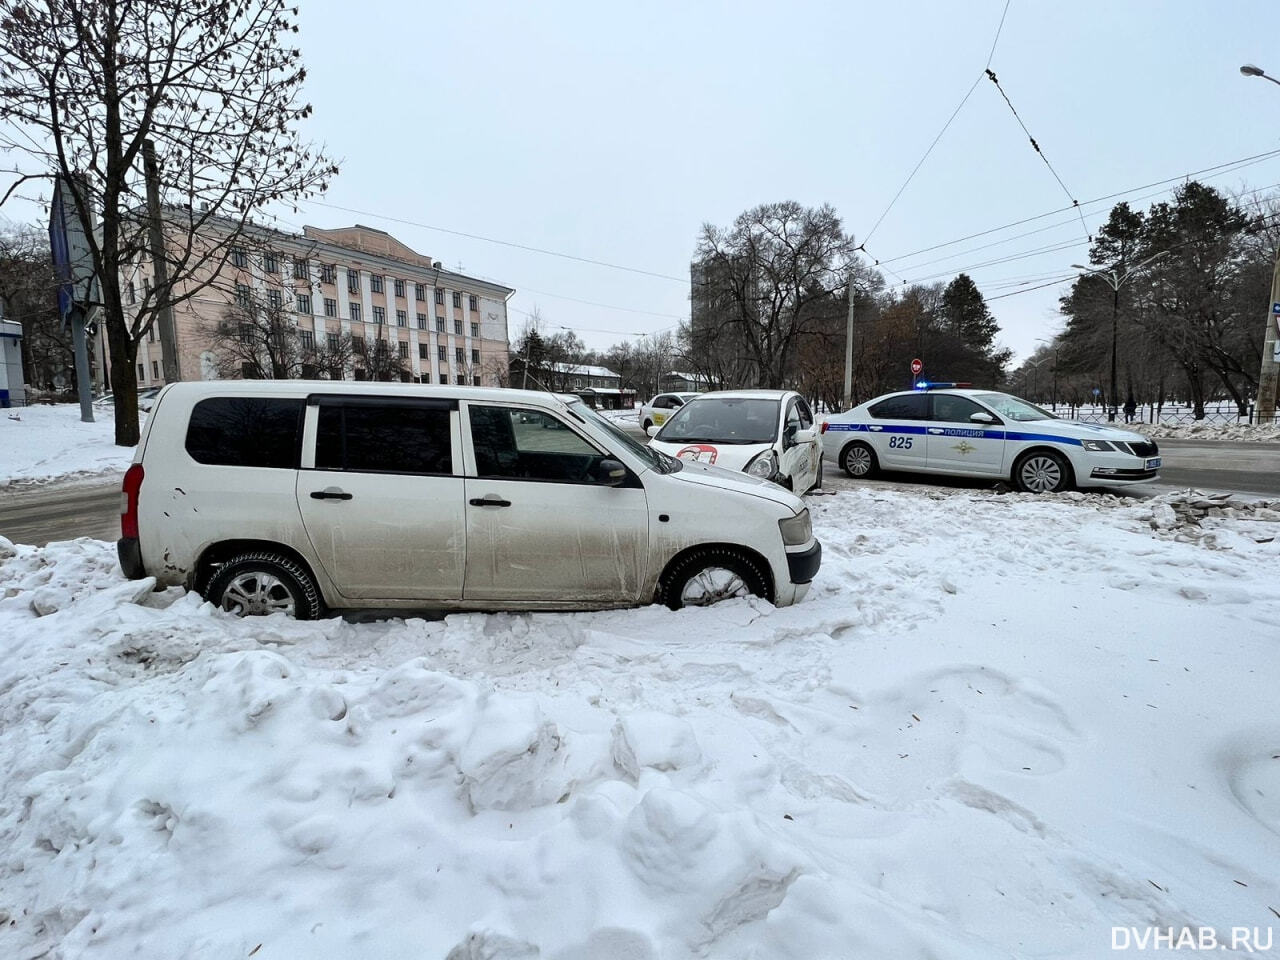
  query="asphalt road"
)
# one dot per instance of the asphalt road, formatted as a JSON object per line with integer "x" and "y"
{"x": 37, "y": 515}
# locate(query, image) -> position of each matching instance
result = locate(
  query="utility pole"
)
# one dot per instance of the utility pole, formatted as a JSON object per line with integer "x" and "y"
{"x": 848, "y": 348}
{"x": 1267, "y": 376}
{"x": 168, "y": 331}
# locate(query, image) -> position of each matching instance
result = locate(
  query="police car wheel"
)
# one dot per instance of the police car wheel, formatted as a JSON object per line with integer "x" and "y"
{"x": 859, "y": 461}
{"x": 1042, "y": 471}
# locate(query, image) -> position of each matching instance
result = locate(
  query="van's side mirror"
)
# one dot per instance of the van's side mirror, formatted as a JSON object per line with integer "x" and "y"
{"x": 611, "y": 473}
{"x": 653, "y": 430}
{"x": 981, "y": 417}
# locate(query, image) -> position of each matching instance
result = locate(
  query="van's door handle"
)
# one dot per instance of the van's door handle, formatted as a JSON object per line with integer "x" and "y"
{"x": 489, "y": 500}
{"x": 330, "y": 493}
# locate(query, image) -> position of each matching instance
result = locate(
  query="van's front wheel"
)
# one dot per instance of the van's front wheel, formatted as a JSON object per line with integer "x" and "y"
{"x": 708, "y": 576}
{"x": 260, "y": 583}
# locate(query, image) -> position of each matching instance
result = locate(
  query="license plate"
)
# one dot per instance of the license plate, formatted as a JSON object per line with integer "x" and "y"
{"x": 1153, "y": 463}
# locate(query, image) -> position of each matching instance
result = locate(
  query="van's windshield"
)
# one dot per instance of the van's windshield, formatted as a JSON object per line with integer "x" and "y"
{"x": 656, "y": 459}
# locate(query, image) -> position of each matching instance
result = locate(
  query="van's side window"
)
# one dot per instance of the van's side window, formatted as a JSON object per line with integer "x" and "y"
{"x": 384, "y": 438}
{"x": 245, "y": 432}
{"x": 529, "y": 445}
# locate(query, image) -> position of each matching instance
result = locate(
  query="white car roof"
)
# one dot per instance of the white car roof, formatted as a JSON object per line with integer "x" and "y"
{"x": 198, "y": 389}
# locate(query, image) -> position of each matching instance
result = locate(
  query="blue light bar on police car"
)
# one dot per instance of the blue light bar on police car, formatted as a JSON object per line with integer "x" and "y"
{"x": 926, "y": 385}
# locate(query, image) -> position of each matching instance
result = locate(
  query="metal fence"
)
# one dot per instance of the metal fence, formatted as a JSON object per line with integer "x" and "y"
{"x": 1170, "y": 413}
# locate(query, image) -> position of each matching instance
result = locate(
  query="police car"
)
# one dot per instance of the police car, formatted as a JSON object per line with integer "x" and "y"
{"x": 768, "y": 434}
{"x": 942, "y": 428}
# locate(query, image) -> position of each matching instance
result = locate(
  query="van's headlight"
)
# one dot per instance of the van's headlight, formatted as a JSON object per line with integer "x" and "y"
{"x": 1096, "y": 446}
{"x": 796, "y": 530}
{"x": 763, "y": 465}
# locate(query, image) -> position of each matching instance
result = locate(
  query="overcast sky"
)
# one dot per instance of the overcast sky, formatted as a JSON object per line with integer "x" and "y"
{"x": 613, "y": 133}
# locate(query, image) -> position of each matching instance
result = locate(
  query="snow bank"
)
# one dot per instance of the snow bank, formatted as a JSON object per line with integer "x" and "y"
{"x": 1264, "y": 433}
{"x": 48, "y": 442}
{"x": 999, "y": 726}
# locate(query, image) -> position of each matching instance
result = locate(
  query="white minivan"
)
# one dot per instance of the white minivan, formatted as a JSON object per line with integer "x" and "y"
{"x": 298, "y": 496}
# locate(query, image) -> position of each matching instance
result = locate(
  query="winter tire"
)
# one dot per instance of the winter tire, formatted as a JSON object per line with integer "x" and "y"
{"x": 859, "y": 461}
{"x": 708, "y": 576}
{"x": 817, "y": 481}
{"x": 1042, "y": 471}
{"x": 646, "y": 425}
{"x": 260, "y": 583}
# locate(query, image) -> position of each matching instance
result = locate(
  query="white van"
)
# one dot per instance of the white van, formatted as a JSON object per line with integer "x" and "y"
{"x": 298, "y": 496}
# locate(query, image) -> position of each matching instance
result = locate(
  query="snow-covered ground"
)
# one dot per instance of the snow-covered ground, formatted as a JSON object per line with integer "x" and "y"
{"x": 47, "y": 442}
{"x": 1000, "y": 726}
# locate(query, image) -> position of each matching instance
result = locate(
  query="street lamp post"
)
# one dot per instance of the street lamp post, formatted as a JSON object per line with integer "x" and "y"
{"x": 1269, "y": 373}
{"x": 1115, "y": 281}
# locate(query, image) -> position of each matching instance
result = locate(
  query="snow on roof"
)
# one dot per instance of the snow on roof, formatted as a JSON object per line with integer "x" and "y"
{"x": 582, "y": 370}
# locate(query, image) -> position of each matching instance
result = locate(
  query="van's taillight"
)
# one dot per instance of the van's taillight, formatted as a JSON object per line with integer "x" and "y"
{"x": 129, "y": 502}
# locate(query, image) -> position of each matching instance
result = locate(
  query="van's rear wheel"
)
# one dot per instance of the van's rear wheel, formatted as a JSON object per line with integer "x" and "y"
{"x": 262, "y": 582}
{"x": 708, "y": 576}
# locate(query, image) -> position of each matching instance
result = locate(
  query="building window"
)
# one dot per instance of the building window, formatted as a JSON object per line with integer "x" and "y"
{"x": 457, "y": 299}
{"x": 375, "y": 282}
{"x": 422, "y": 321}
{"x": 473, "y": 303}
{"x": 246, "y": 333}
{"x": 403, "y": 349}
{"x": 332, "y": 340}
{"x": 269, "y": 262}
{"x": 357, "y": 345}
{"x": 155, "y": 369}
{"x": 353, "y": 281}
{"x": 303, "y": 302}
{"x": 422, "y": 352}
{"x": 354, "y": 310}
{"x": 146, "y": 287}
{"x": 151, "y": 333}
{"x": 457, "y": 355}
{"x": 426, "y": 378}
{"x": 142, "y": 372}
{"x": 475, "y": 381}
{"x": 379, "y": 315}
{"x": 275, "y": 299}
{"x": 328, "y": 273}
{"x": 308, "y": 340}
{"x": 301, "y": 269}
{"x": 475, "y": 329}
{"x": 439, "y": 324}
{"x": 239, "y": 257}
{"x": 457, "y": 327}
{"x": 419, "y": 292}
{"x": 440, "y": 353}
{"x": 440, "y": 295}
{"x": 402, "y": 318}
{"x": 475, "y": 356}
{"x": 133, "y": 295}
{"x": 399, "y": 288}
{"x": 243, "y": 297}
{"x": 330, "y": 307}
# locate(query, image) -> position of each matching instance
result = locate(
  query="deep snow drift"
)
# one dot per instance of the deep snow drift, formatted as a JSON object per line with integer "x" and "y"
{"x": 47, "y": 442}
{"x": 1000, "y": 726}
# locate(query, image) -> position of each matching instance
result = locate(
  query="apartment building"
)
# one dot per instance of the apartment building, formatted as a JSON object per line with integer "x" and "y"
{"x": 354, "y": 282}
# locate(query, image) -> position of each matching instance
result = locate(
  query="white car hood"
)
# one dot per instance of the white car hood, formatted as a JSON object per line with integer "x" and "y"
{"x": 727, "y": 456}
{"x": 1078, "y": 429}
{"x": 709, "y": 476}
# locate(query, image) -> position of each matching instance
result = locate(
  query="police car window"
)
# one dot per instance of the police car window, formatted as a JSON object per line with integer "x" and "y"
{"x": 1013, "y": 408}
{"x": 909, "y": 406}
{"x": 954, "y": 409}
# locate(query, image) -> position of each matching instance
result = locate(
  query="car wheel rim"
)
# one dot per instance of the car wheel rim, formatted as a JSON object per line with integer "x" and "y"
{"x": 1041, "y": 475}
{"x": 712, "y": 585}
{"x": 858, "y": 461}
{"x": 256, "y": 594}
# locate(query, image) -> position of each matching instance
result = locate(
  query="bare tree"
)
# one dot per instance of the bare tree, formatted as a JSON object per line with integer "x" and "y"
{"x": 27, "y": 285}
{"x": 772, "y": 273}
{"x": 258, "y": 338}
{"x": 88, "y": 86}
{"x": 380, "y": 359}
